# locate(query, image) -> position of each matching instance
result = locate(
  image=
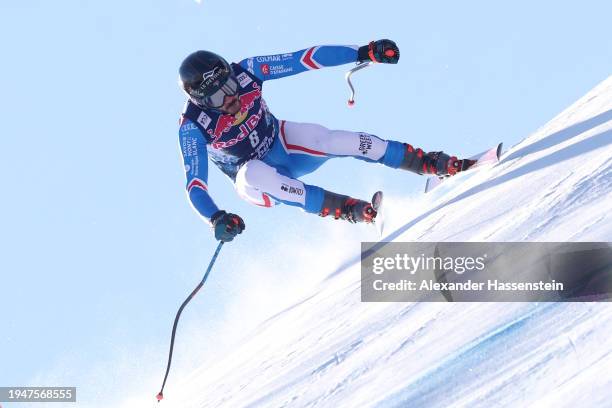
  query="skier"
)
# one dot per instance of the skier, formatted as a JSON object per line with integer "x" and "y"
{"x": 226, "y": 119}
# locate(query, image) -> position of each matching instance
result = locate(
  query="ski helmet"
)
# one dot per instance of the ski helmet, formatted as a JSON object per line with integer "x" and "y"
{"x": 207, "y": 78}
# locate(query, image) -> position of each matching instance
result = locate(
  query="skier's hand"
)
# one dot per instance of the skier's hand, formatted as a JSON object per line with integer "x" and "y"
{"x": 226, "y": 225}
{"x": 384, "y": 51}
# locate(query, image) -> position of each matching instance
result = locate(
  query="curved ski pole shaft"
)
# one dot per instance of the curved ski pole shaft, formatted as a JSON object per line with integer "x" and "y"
{"x": 160, "y": 395}
{"x": 348, "y": 75}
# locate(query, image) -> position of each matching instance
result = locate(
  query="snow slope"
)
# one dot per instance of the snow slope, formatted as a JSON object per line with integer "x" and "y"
{"x": 331, "y": 350}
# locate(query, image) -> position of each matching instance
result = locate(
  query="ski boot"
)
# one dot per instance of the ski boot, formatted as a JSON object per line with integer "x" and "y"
{"x": 455, "y": 165}
{"x": 350, "y": 209}
{"x": 434, "y": 163}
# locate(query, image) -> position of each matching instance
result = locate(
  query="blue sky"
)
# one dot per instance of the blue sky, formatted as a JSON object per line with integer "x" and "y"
{"x": 99, "y": 245}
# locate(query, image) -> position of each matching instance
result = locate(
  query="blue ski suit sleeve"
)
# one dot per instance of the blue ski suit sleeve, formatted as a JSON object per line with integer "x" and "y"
{"x": 281, "y": 65}
{"x": 195, "y": 159}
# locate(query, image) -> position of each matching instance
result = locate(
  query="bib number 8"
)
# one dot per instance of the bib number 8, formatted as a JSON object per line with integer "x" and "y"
{"x": 254, "y": 138}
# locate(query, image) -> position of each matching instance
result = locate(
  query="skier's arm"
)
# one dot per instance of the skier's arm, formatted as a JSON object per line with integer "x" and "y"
{"x": 267, "y": 67}
{"x": 193, "y": 148}
{"x": 282, "y": 65}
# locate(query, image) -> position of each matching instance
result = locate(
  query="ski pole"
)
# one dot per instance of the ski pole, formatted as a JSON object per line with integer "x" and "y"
{"x": 160, "y": 396}
{"x": 347, "y": 76}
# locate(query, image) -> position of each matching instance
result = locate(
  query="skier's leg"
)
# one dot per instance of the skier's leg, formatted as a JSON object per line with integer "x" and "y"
{"x": 254, "y": 196}
{"x": 316, "y": 140}
{"x": 261, "y": 184}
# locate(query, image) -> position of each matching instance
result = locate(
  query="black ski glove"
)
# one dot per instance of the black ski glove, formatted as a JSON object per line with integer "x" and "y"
{"x": 384, "y": 51}
{"x": 226, "y": 225}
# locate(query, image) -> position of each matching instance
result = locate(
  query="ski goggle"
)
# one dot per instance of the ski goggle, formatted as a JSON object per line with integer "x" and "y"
{"x": 216, "y": 99}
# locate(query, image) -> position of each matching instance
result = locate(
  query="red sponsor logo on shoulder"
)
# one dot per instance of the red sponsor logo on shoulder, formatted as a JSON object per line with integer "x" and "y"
{"x": 265, "y": 69}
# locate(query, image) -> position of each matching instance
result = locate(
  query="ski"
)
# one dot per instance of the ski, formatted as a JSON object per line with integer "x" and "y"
{"x": 379, "y": 221}
{"x": 487, "y": 157}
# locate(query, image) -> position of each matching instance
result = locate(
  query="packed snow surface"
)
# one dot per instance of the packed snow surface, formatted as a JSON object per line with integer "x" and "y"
{"x": 332, "y": 350}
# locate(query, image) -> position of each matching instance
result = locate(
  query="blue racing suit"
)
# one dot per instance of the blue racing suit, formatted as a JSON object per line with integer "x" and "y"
{"x": 232, "y": 140}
